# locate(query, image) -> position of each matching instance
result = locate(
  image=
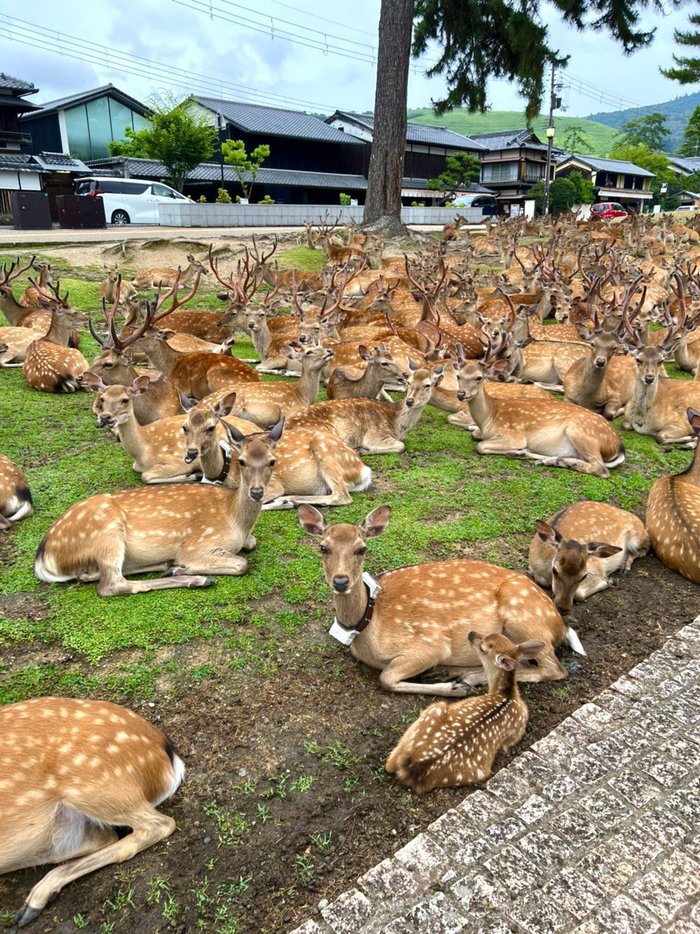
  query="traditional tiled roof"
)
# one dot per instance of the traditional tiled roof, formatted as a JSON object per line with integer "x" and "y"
{"x": 687, "y": 164}
{"x": 60, "y": 162}
{"x": 274, "y": 121}
{"x": 84, "y": 96}
{"x": 607, "y": 165}
{"x": 509, "y": 139}
{"x": 16, "y": 84}
{"x": 19, "y": 162}
{"x": 417, "y": 132}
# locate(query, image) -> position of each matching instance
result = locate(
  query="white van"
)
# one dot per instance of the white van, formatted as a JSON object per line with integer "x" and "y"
{"x": 128, "y": 200}
{"x": 487, "y": 203}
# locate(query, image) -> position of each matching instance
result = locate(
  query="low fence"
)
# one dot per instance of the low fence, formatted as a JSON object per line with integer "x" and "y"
{"x": 292, "y": 215}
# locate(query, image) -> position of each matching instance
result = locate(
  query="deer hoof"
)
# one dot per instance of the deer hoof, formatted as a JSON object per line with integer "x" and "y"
{"x": 26, "y": 915}
{"x": 202, "y": 582}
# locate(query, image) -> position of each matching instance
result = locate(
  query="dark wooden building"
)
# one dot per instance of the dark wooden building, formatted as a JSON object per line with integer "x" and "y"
{"x": 514, "y": 160}
{"x": 18, "y": 171}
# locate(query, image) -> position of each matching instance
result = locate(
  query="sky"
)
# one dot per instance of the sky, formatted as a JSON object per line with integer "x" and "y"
{"x": 239, "y": 50}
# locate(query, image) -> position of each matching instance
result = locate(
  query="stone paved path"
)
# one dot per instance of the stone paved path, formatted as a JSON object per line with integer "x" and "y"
{"x": 594, "y": 830}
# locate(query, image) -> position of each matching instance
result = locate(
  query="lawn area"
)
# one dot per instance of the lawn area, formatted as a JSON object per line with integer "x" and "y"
{"x": 283, "y": 733}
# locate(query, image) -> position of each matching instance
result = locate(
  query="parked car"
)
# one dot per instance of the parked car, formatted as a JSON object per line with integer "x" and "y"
{"x": 487, "y": 203}
{"x": 606, "y": 210}
{"x": 128, "y": 200}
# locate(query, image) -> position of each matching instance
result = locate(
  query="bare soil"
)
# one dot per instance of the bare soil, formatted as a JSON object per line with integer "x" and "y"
{"x": 286, "y": 801}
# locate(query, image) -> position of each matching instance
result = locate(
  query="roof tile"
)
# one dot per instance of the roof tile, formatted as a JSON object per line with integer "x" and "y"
{"x": 274, "y": 121}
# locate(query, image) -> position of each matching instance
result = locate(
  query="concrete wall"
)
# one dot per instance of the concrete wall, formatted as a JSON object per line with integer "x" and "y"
{"x": 291, "y": 215}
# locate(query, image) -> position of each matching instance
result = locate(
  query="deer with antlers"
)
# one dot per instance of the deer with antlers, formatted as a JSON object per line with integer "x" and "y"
{"x": 75, "y": 774}
{"x": 337, "y": 253}
{"x": 156, "y": 277}
{"x": 371, "y": 426}
{"x": 189, "y": 530}
{"x": 451, "y": 745}
{"x": 412, "y": 619}
{"x": 17, "y": 314}
{"x": 555, "y": 433}
{"x": 673, "y": 514}
{"x": 310, "y": 465}
{"x": 659, "y": 405}
{"x": 15, "y": 497}
{"x": 576, "y": 550}
{"x": 34, "y": 295}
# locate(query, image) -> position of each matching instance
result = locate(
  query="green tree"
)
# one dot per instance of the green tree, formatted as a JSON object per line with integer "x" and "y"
{"x": 245, "y": 167}
{"x": 476, "y": 40}
{"x": 691, "y": 136}
{"x": 536, "y": 193}
{"x": 686, "y": 69}
{"x": 575, "y": 140}
{"x": 583, "y": 187}
{"x": 461, "y": 169}
{"x": 649, "y": 130}
{"x": 177, "y": 137}
{"x": 562, "y": 195}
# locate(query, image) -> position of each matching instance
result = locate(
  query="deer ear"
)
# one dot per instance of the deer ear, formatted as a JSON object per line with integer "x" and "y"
{"x": 126, "y": 356}
{"x": 311, "y": 520}
{"x": 165, "y": 335}
{"x": 140, "y": 385}
{"x": 289, "y": 352}
{"x": 276, "y": 431}
{"x": 364, "y": 352}
{"x": 185, "y": 402}
{"x": 505, "y": 662}
{"x": 474, "y": 636}
{"x": 412, "y": 365}
{"x": 694, "y": 419}
{"x": 601, "y": 550}
{"x": 233, "y": 434}
{"x": 548, "y": 535}
{"x": 376, "y": 522}
{"x": 529, "y": 649}
{"x": 224, "y": 406}
{"x": 92, "y": 382}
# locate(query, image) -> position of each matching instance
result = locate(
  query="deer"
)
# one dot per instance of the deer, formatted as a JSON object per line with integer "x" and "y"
{"x": 371, "y": 426}
{"x": 451, "y": 745}
{"x": 659, "y": 405}
{"x": 157, "y": 276}
{"x": 673, "y": 514}
{"x": 189, "y": 530}
{"x": 310, "y": 465}
{"x": 18, "y": 315}
{"x": 114, "y": 284}
{"x": 451, "y": 230}
{"x": 34, "y": 295}
{"x": 557, "y": 434}
{"x": 74, "y": 774}
{"x": 49, "y": 365}
{"x": 575, "y": 551}
{"x": 379, "y": 371}
{"x": 412, "y": 619}
{"x": 15, "y": 497}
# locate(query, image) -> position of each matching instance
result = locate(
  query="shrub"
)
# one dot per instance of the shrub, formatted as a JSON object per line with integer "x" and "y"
{"x": 202, "y": 199}
{"x": 223, "y": 197}
{"x": 417, "y": 204}
{"x": 344, "y": 199}
{"x": 267, "y": 200}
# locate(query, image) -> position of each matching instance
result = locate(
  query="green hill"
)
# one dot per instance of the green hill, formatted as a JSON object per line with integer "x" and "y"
{"x": 600, "y": 136}
{"x": 677, "y": 113}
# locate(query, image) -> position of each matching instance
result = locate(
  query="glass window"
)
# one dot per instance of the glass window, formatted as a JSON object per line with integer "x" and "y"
{"x": 99, "y": 127}
{"x": 78, "y": 132}
{"x": 499, "y": 171}
{"x": 121, "y": 118}
{"x": 163, "y": 192}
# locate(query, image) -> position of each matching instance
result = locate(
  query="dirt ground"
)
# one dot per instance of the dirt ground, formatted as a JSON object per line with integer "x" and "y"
{"x": 255, "y": 850}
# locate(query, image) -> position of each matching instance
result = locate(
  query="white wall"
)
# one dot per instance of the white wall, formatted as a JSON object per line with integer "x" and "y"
{"x": 16, "y": 181}
{"x": 291, "y": 215}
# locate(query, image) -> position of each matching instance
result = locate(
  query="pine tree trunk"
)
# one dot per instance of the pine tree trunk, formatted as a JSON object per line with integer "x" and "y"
{"x": 383, "y": 202}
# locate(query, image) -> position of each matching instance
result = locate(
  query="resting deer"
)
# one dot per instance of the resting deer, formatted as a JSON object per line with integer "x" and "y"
{"x": 412, "y": 619}
{"x": 190, "y": 530}
{"x": 74, "y": 774}
{"x": 49, "y": 365}
{"x": 575, "y": 551}
{"x": 451, "y": 231}
{"x": 353, "y": 383}
{"x": 310, "y": 466}
{"x": 163, "y": 276}
{"x": 602, "y": 381}
{"x": 659, "y": 404}
{"x": 15, "y": 498}
{"x": 556, "y": 434}
{"x": 451, "y": 745}
{"x": 115, "y": 288}
{"x": 374, "y": 427}
{"x": 673, "y": 514}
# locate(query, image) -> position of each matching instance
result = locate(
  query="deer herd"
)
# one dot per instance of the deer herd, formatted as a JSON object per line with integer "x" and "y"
{"x": 461, "y": 326}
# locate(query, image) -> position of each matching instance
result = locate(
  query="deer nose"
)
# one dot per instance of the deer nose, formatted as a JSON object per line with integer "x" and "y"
{"x": 190, "y": 455}
{"x": 461, "y": 395}
{"x": 341, "y": 583}
{"x": 103, "y": 421}
{"x": 257, "y": 493}
{"x": 600, "y": 362}
{"x": 410, "y": 403}
{"x": 649, "y": 379}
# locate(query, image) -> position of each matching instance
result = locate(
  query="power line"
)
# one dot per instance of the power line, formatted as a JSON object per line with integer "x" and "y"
{"x": 61, "y": 43}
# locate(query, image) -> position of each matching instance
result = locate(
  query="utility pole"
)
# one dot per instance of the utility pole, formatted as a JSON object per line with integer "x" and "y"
{"x": 554, "y": 102}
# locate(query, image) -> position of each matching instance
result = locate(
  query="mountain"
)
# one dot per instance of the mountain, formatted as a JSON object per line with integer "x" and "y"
{"x": 462, "y": 121}
{"x": 677, "y": 113}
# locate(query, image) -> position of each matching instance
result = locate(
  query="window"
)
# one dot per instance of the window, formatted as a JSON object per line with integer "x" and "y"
{"x": 499, "y": 171}
{"x": 534, "y": 171}
{"x": 98, "y": 126}
{"x": 78, "y": 132}
{"x": 162, "y": 191}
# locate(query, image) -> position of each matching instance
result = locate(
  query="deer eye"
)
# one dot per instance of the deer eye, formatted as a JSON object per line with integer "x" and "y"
{"x": 241, "y": 462}
{"x": 107, "y": 365}
{"x": 185, "y": 429}
{"x": 210, "y": 429}
{"x": 272, "y": 463}
{"x": 361, "y": 551}
{"x": 323, "y": 550}
{"x": 555, "y": 573}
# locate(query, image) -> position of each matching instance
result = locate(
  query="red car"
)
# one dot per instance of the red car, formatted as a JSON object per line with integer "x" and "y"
{"x": 605, "y": 210}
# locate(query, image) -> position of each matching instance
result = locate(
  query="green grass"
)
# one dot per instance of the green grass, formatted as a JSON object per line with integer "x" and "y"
{"x": 460, "y": 120}
{"x": 444, "y": 499}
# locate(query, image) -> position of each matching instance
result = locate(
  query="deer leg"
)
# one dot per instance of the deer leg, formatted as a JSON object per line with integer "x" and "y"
{"x": 383, "y": 446}
{"x": 393, "y": 677}
{"x": 274, "y": 496}
{"x": 114, "y": 584}
{"x": 671, "y": 436}
{"x": 249, "y": 544}
{"x": 218, "y": 561}
{"x": 503, "y": 446}
{"x": 5, "y": 523}
{"x": 613, "y": 408}
{"x": 167, "y": 473}
{"x": 590, "y": 586}
{"x": 149, "y": 826}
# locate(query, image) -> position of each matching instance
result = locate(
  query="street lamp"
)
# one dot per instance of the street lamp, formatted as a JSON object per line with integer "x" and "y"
{"x": 221, "y": 128}
{"x": 548, "y": 170}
